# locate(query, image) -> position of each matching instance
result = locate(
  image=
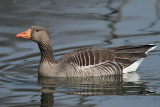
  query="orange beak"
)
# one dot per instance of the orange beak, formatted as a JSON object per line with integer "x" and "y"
{"x": 25, "y": 35}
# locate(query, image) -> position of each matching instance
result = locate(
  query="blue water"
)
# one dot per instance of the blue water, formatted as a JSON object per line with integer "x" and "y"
{"x": 76, "y": 24}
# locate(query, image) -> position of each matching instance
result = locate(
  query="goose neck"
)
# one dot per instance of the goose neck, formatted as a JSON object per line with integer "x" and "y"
{"x": 47, "y": 54}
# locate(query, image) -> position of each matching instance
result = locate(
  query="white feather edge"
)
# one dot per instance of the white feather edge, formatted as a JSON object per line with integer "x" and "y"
{"x": 154, "y": 46}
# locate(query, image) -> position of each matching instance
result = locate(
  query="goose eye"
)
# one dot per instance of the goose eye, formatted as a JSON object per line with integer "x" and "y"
{"x": 37, "y": 30}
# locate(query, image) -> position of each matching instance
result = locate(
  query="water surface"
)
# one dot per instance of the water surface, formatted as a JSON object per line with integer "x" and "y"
{"x": 76, "y": 24}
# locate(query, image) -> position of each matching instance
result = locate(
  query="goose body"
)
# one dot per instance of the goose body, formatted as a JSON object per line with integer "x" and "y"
{"x": 87, "y": 61}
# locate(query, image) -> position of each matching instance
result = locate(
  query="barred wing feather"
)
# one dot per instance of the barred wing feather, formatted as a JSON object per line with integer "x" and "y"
{"x": 88, "y": 56}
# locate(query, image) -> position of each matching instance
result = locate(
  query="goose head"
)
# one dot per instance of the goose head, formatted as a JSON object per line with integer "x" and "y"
{"x": 37, "y": 34}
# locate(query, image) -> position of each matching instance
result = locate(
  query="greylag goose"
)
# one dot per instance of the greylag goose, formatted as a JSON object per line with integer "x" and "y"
{"x": 87, "y": 61}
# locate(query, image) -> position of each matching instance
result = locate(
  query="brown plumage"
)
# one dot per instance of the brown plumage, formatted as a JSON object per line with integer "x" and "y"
{"x": 87, "y": 61}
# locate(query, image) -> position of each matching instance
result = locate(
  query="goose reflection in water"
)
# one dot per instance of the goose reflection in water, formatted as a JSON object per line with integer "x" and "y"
{"x": 126, "y": 84}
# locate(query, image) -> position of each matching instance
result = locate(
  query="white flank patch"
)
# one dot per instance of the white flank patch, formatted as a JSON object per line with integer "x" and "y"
{"x": 133, "y": 67}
